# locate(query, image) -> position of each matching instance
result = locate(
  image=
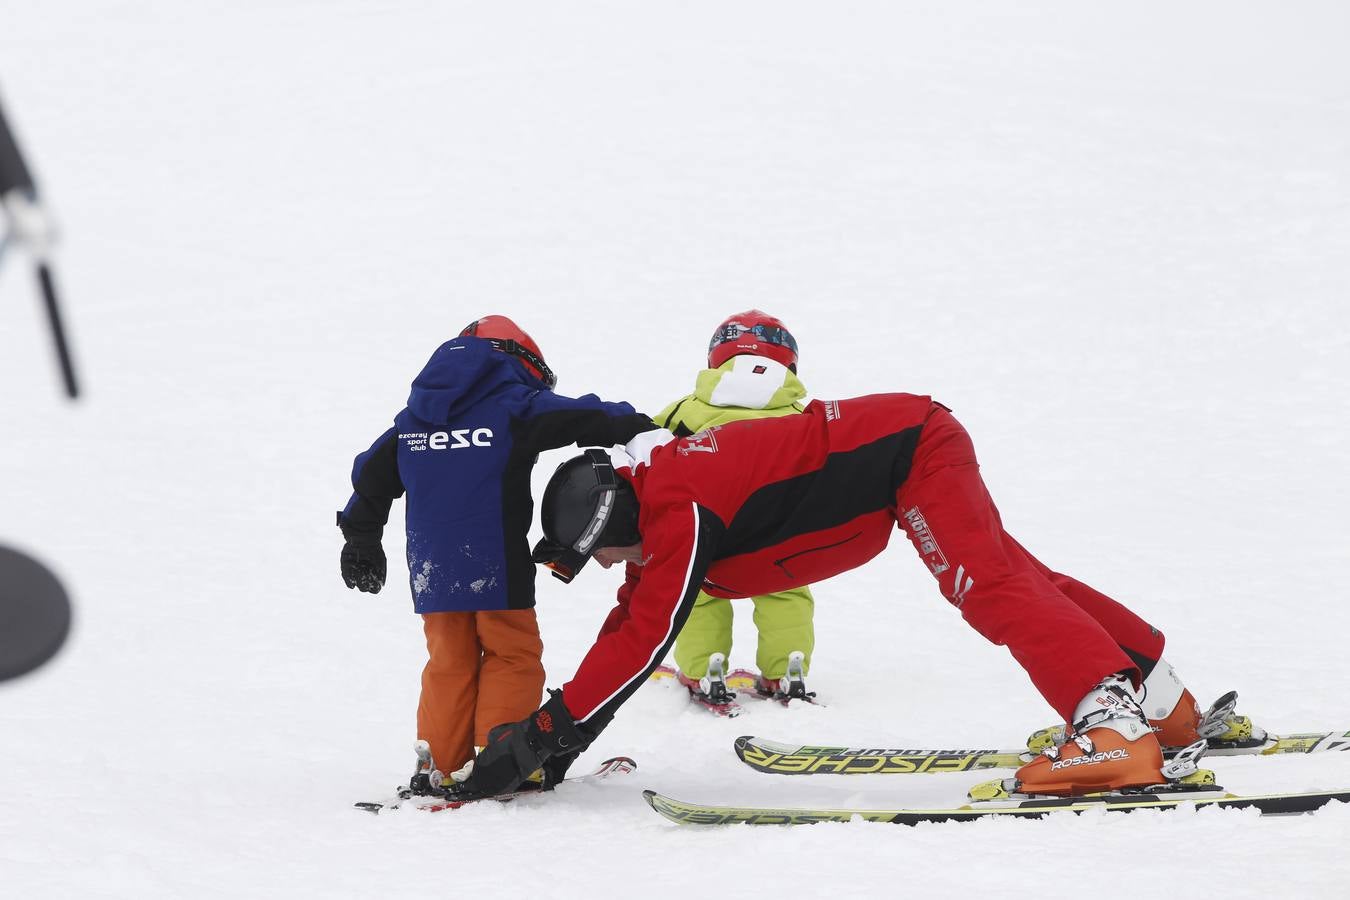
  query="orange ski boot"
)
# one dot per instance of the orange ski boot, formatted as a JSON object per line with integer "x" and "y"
{"x": 1170, "y": 708}
{"x": 1176, "y": 719}
{"x": 1110, "y": 746}
{"x": 1178, "y": 722}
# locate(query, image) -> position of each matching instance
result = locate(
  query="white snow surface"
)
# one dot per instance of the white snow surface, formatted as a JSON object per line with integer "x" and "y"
{"x": 1115, "y": 239}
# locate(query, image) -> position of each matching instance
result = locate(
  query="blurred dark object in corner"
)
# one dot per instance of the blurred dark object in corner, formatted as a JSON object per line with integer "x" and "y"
{"x": 34, "y": 608}
{"x": 34, "y": 614}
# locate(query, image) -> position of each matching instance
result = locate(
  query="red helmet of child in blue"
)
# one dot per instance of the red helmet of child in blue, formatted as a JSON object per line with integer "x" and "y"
{"x": 508, "y": 337}
{"x": 756, "y": 333}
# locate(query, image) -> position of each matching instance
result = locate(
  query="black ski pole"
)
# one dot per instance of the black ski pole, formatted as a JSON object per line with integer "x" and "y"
{"x": 58, "y": 330}
{"x": 13, "y": 172}
{"x": 18, "y": 195}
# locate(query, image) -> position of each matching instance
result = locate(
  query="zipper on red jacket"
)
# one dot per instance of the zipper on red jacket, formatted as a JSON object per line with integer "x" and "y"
{"x": 781, "y": 563}
{"x": 721, "y": 587}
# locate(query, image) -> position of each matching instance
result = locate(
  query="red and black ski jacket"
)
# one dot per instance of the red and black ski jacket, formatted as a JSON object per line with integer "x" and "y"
{"x": 749, "y": 508}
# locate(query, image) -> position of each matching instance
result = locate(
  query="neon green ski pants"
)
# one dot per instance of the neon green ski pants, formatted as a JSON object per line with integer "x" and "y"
{"x": 784, "y": 620}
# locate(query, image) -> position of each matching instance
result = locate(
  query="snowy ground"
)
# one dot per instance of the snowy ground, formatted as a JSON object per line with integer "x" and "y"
{"x": 1113, "y": 240}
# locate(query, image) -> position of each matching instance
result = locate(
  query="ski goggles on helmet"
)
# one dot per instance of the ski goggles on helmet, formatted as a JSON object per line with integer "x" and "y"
{"x": 527, "y": 356}
{"x": 565, "y": 561}
{"x": 769, "y": 334}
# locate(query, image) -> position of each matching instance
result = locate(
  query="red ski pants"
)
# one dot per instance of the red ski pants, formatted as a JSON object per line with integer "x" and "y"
{"x": 1066, "y": 635}
{"x": 485, "y": 668}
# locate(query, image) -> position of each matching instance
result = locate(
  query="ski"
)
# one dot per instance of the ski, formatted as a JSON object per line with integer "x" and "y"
{"x": 728, "y": 709}
{"x": 1268, "y": 804}
{"x": 745, "y": 680}
{"x": 742, "y": 684}
{"x": 765, "y": 755}
{"x": 441, "y": 801}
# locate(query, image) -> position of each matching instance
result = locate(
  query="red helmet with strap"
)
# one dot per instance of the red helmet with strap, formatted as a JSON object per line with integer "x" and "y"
{"x": 753, "y": 332}
{"x": 508, "y": 337}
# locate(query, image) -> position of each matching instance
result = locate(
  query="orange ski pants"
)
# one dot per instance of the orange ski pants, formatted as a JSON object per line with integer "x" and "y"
{"x": 485, "y": 668}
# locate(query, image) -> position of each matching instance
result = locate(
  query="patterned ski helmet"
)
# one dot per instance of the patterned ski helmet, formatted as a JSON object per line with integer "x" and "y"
{"x": 753, "y": 332}
{"x": 508, "y": 337}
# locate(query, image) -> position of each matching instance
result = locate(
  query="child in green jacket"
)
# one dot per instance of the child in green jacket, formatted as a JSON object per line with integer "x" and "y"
{"x": 751, "y": 374}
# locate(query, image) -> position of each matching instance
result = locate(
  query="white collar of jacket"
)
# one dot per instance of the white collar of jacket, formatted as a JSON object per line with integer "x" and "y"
{"x": 638, "y": 451}
{"x": 746, "y": 382}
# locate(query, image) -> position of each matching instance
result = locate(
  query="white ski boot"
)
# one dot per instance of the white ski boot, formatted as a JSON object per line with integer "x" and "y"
{"x": 791, "y": 686}
{"x": 713, "y": 686}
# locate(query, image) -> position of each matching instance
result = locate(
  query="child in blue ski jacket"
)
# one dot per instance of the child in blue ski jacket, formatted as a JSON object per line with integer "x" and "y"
{"x": 479, "y": 413}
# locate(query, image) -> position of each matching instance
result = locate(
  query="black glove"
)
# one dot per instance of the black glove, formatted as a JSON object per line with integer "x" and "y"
{"x": 363, "y": 566}
{"x": 555, "y": 768}
{"x": 363, "y": 562}
{"x": 514, "y": 751}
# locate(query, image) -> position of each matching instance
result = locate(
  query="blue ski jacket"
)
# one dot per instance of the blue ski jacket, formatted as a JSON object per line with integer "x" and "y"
{"x": 462, "y": 450}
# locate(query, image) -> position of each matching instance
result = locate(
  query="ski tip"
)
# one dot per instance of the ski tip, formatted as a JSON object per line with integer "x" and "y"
{"x": 655, "y": 802}
{"x": 620, "y": 763}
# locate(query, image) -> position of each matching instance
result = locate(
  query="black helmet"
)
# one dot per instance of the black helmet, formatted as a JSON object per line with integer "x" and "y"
{"x": 586, "y": 507}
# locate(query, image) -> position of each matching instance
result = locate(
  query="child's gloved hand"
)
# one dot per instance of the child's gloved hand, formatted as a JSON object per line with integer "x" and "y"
{"x": 363, "y": 566}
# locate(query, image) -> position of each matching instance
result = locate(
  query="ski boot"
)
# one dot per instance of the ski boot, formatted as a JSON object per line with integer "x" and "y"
{"x": 1110, "y": 749}
{"x": 711, "y": 691}
{"x": 1175, "y": 717}
{"x": 426, "y": 778}
{"x": 711, "y": 688}
{"x": 791, "y": 686}
{"x": 1177, "y": 720}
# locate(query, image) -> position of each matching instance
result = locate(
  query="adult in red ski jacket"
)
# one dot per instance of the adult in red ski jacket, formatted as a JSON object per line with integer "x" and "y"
{"x": 762, "y": 506}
